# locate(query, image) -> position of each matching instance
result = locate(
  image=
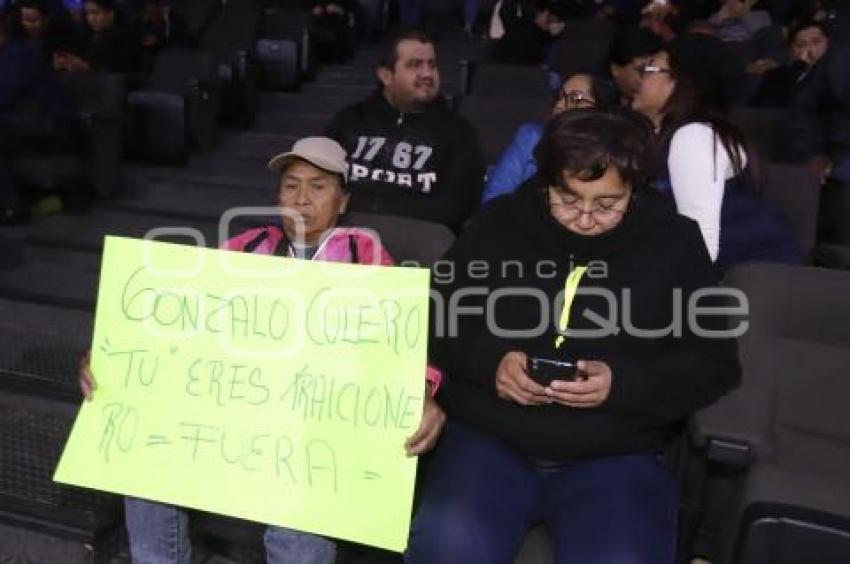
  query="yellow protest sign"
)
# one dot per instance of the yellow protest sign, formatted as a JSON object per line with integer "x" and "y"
{"x": 270, "y": 389}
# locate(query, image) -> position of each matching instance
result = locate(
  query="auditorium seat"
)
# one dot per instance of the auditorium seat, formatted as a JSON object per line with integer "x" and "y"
{"x": 284, "y": 49}
{"x": 765, "y": 129}
{"x": 406, "y": 239}
{"x": 231, "y": 38}
{"x": 94, "y": 164}
{"x": 497, "y": 79}
{"x": 785, "y": 428}
{"x": 795, "y": 191}
{"x": 178, "y": 108}
{"x": 198, "y": 14}
{"x": 496, "y": 134}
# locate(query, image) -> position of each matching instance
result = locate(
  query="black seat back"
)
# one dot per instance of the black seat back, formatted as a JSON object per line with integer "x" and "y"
{"x": 795, "y": 191}
{"x": 96, "y": 92}
{"x": 497, "y": 79}
{"x": 764, "y": 128}
{"x": 197, "y": 14}
{"x": 406, "y": 239}
{"x": 176, "y": 69}
{"x": 285, "y": 23}
{"x": 234, "y": 29}
{"x": 496, "y": 134}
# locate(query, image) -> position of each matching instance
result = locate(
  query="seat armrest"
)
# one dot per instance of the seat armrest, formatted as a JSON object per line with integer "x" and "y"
{"x": 729, "y": 434}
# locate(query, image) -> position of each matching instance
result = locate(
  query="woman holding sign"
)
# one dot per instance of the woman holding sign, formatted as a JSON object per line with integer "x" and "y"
{"x": 563, "y": 396}
{"x": 312, "y": 195}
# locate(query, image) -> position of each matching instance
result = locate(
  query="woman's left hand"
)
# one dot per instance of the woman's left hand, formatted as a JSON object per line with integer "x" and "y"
{"x": 433, "y": 419}
{"x": 592, "y": 391}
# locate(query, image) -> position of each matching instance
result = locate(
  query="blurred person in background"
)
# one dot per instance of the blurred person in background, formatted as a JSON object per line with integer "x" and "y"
{"x": 531, "y": 26}
{"x": 36, "y": 116}
{"x": 517, "y": 164}
{"x": 43, "y": 30}
{"x": 704, "y": 167}
{"x": 808, "y": 42}
{"x": 160, "y": 27}
{"x": 333, "y": 25}
{"x": 411, "y": 155}
{"x": 631, "y": 48}
{"x": 104, "y": 46}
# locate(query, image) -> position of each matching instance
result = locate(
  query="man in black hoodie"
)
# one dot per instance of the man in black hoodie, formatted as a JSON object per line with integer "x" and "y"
{"x": 410, "y": 154}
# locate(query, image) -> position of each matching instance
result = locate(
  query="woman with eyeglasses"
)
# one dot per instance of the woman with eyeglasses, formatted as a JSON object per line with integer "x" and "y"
{"x": 517, "y": 164}
{"x": 585, "y": 267}
{"x": 705, "y": 169}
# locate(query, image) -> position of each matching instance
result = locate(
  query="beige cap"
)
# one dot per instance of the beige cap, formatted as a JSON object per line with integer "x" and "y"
{"x": 322, "y": 152}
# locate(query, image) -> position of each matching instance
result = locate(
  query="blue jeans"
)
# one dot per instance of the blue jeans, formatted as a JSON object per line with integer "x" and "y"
{"x": 480, "y": 498}
{"x": 159, "y": 534}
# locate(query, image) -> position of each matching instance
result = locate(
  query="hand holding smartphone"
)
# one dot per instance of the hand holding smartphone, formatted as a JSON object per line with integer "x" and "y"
{"x": 545, "y": 370}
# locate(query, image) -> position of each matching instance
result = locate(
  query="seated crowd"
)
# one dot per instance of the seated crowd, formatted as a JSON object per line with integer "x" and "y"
{"x": 44, "y": 44}
{"x": 636, "y": 168}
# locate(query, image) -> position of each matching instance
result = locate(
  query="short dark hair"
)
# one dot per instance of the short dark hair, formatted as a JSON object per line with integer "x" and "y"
{"x": 632, "y": 42}
{"x": 33, "y": 5}
{"x": 800, "y": 26}
{"x": 109, "y": 5}
{"x": 389, "y": 51}
{"x": 586, "y": 143}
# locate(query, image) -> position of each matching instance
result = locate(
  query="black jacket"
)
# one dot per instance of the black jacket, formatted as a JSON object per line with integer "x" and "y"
{"x": 779, "y": 86}
{"x": 524, "y": 42}
{"x": 657, "y": 382}
{"x": 114, "y": 50}
{"x": 819, "y": 123}
{"x": 424, "y": 165}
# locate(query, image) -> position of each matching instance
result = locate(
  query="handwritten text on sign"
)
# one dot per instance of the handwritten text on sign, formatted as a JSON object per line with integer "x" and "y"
{"x": 270, "y": 389}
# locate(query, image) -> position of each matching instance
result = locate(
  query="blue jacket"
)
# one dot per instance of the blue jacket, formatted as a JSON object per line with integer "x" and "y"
{"x": 516, "y": 165}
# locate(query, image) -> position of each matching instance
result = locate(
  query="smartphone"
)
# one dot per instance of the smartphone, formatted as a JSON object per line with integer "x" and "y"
{"x": 545, "y": 370}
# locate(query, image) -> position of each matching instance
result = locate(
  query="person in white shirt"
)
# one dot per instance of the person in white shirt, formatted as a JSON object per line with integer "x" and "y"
{"x": 704, "y": 166}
